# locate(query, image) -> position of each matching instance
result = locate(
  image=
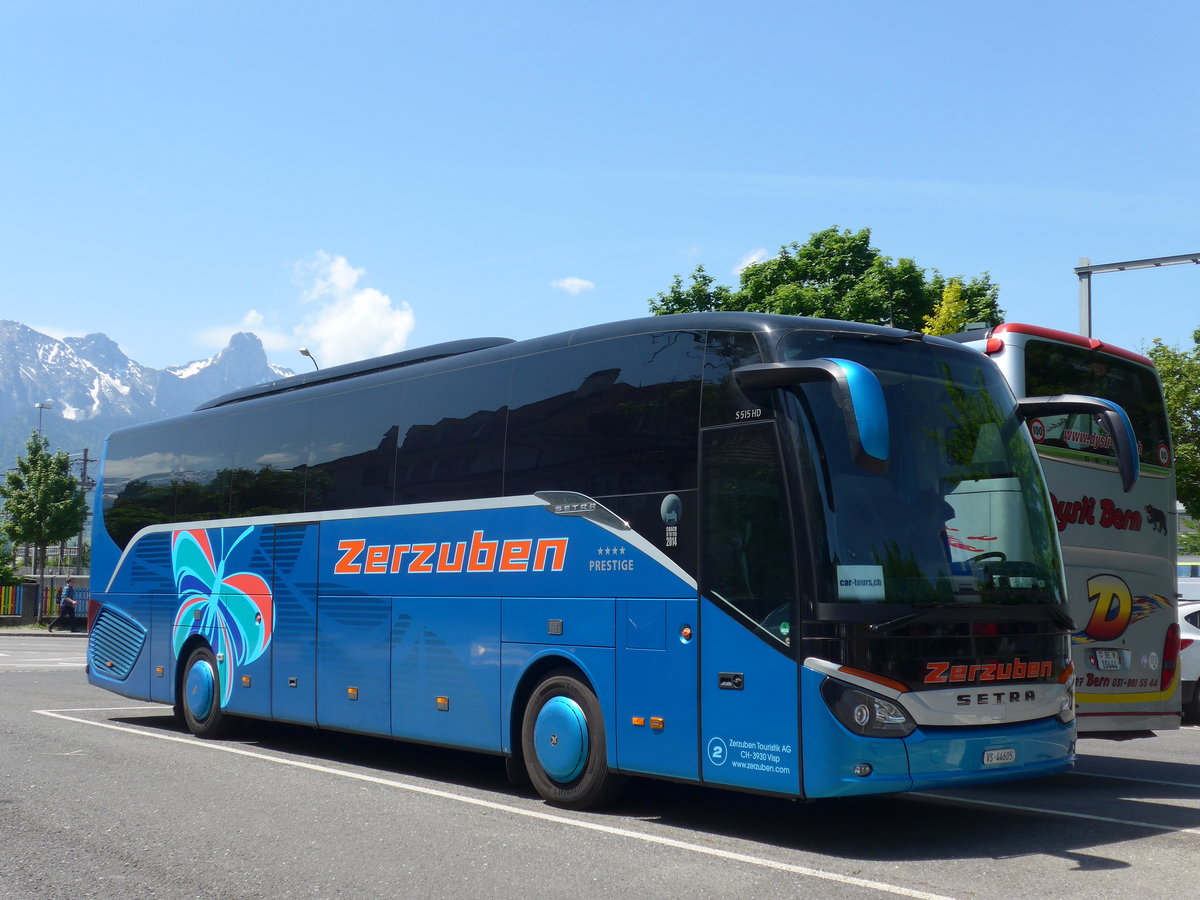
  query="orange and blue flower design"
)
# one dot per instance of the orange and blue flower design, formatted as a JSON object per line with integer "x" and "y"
{"x": 231, "y": 610}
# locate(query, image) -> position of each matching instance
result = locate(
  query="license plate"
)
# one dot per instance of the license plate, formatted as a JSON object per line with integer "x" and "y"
{"x": 1001, "y": 757}
{"x": 1108, "y": 660}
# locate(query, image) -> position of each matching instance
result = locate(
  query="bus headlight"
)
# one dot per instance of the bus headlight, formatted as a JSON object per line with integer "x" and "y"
{"x": 865, "y": 713}
{"x": 1066, "y": 709}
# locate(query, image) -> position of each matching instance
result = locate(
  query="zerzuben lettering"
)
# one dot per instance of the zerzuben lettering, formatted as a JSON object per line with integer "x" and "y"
{"x": 475, "y": 556}
{"x": 947, "y": 673}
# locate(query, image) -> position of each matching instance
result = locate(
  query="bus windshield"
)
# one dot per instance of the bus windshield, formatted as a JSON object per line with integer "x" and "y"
{"x": 959, "y": 517}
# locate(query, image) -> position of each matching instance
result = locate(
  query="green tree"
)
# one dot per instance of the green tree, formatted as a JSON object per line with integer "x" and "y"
{"x": 835, "y": 274}
{"x": 700, "y": 297}
{"x": 980, "y": 298}
{"x": 43, "y": 502}
{"x": 950, "y": 313}
{"x": 1179, "y": 371}
{"x": 8, "y": 573}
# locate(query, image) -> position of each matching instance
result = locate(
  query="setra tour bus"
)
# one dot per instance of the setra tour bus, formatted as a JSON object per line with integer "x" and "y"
{"x": 1118, "y": 540}
{"x": 713, "y": 548}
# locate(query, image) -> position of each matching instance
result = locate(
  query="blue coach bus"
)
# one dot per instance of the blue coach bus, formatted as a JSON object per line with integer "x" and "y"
{"x": 733, "y": 549}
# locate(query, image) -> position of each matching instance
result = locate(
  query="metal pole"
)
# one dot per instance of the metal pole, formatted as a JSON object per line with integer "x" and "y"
{"x": 41, "y": 408}
{"x": 1085, "y": 298}
{"x": 1085, "y": 270}
{"x": 83, "y": 483}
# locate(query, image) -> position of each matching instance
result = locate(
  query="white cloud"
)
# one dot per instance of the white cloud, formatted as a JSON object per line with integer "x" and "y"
{"x": 749, "y": 259}
{"x": 338, "y": 320}
{"x": 349, "y": 322}
{"x": 573, "y": 286}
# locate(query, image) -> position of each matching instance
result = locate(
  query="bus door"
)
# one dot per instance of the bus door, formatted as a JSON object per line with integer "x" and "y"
{"x": 294, "y": 642}
{"x": 749, "y": 704}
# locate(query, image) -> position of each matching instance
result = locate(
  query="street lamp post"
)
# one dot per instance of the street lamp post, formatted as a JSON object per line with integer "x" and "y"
{"x": 39, "y": 553}
{"x": 304, "y": 351}
{"x": 41, "y": 406}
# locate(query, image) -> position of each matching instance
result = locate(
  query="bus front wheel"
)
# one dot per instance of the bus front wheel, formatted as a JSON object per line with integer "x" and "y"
{"x": 200, "y": 696}
{"x": 563, "y": 742}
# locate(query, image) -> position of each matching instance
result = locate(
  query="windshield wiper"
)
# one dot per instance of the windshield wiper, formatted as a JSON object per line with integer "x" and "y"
{"x": 893, "y": 624}
{"x": 1061, "y": 617}
{"x": 1057, "y": 614}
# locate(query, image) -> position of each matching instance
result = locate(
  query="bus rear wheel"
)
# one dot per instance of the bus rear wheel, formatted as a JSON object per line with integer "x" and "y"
{"x": 200, "y": 696}
{"x": 563, "y": 742}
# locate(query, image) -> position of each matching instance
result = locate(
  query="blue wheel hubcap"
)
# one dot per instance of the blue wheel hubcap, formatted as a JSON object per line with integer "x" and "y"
{"x": 200, "y": 689}
{"x": 560, "y": 735}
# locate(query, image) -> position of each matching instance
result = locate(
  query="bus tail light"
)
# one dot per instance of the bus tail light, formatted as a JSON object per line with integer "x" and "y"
{"x": 1170, "y": 657}
{"x": 865, "y": 713}
{"x": 993, "y": 345}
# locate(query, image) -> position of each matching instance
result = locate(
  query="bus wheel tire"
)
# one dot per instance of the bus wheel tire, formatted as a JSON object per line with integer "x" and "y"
{"x": 200, "y": 696}
{"x": 563, "y": 742}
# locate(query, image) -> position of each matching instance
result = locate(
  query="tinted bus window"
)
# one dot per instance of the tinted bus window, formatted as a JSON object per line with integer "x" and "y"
{"x": 139, "y": 483}
{"x": 613, "y": 417}
{"x": 270, "y": 460}
{"x": 724, "y": 401}
{"x": 352, "y": 450}
{"x": 746, "y": 542}
{"x": 1052, "y": 369}
{"x": 452, "y": 435}
{"x": 205, "y": 468}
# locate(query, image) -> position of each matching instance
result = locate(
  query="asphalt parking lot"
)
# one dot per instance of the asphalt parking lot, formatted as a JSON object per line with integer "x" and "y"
{"x": 104, "y": 797}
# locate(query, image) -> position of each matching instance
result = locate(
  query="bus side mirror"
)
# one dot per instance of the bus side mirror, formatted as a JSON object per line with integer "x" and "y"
{"x": 1110, "y": 415}
{"x": 856, "y": 391}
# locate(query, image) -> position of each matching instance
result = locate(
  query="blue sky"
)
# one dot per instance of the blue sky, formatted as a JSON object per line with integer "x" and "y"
{"x": 358, "y": 177}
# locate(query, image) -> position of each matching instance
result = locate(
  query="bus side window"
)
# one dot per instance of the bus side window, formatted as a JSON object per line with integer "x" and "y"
{"x": 612, "y": 417}
{"x": 352, "y": 449}
{"x": 724, "y": 402}
{"x": 451, "y": 437}
{"x": 269, "y": 462}
{"x": 746, "y": 557}
{"x": 205, "y": 469}
{"x": 139, "y": 484}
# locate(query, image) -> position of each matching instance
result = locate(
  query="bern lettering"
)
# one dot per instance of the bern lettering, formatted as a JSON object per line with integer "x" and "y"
{"x": 516, "y": 555}
{"x": 1083, "y": 512}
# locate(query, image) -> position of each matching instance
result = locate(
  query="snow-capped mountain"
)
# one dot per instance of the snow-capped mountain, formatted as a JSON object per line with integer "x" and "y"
{"x": 91, "y": 387}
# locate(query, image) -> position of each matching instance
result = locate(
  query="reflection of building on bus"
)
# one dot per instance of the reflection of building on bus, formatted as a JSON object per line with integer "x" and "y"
{"x": 775, "y": 554}
{"x": 1118, "y": 548}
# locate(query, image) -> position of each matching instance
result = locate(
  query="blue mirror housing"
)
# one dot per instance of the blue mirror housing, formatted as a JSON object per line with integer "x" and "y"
{"x": 856, "y": 390}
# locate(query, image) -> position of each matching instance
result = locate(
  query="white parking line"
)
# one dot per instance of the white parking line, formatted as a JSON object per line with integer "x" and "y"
{"x": 957, "y": 801}
{"x": 1182, "y": 784}
{"x": 761, "y": 862}
{"x": 76, "y": 661}
{"x": 33, "y": 666}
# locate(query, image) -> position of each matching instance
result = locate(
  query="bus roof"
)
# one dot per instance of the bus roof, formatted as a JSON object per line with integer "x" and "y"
{"x": 727, "y": 321}
{"x": 1053, "y": 334}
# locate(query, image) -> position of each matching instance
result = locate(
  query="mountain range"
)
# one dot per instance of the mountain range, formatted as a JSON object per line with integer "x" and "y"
{"x": 90, "y": 387}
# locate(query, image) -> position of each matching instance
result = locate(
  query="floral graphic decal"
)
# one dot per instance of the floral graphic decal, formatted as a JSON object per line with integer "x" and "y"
{"x": 231, "y": 610}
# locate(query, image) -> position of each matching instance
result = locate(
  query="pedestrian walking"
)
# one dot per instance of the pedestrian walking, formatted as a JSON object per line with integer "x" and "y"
{"x": 66, "y": 606}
